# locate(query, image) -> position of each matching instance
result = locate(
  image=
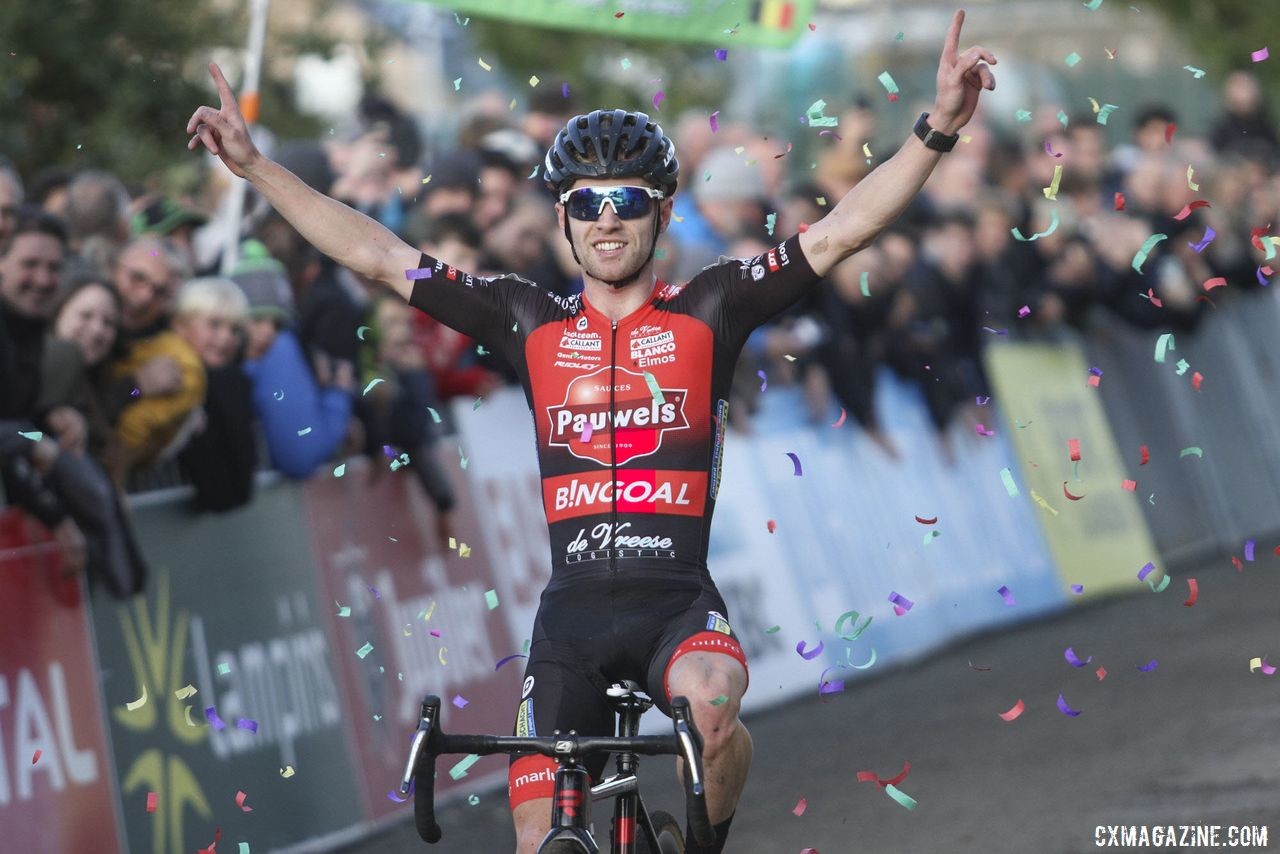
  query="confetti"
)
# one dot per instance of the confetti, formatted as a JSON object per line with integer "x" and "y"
{"x": 809, "y": 654}
{"x": 134, "y": 705}
{"x": 491, "y": 599}
{"x": 1260, "y": 55}
{"x": 795, "y": 461}
{"x": 886, "y": 80}
{"x": 872, "y": 777}
{"x": 503, "y": 661}
{"x": 654, "y": 388}
{"x": 1072, "y": 60}
{"x": 869, "y": 662}
{"x": 1077, "y": 589}
{"x": 1193, "y": 451}
{"x": 1074, "y": 660}
{"x": 1053, "y": 226}
{"x": 1141, "y": 256}
{"x": 1007, "y": 477}
{"x": 800, "y": 807}
{"x": 772, "y": 526}
{"x": 1191, "y": 183}
{"x": 900, "y": 601}
{"x": 816, "y": 119}
{"x": 473, "y": 799}
{"x": 460, "y": 701}
{"x": 657, "y": 99}
{"x": 1017, "y": 709}
{"x": 34, "y": 436}
{"x": 1248, "y": 550}
{"x": 247, "y": 723}
{"x": 365, "y": 650}
{"x": 211, "y": 715}
{"x": 764, "y": 381}
{"x": 152, "y": 799}
{"x": 486, "y": 66}
{"x": 715, "y": 121}
{"x": 1093, "y": 5}
{"x": 36, "y": 757}
{"x": 1198, "y": 72}
{"x": 1068, "y": 494}
{"x": 1065, "y": 709}
{"x": 899, "y": 796}
{"x": 973, "y": 666}
{"x": 931, "y": 521}
{"x": 1023, "y": 115}
{"x": 1149, "y": 666}
{"x": 1194, "y": 594}
{"x": 1164, "y": 344}
{"x": 1007, "y": 595}
{"x": 1209, "y": 235}
{"x": 1105, "y": 112}
{"x": 719, "y": 701}
{"x": 241, "y": 797}
{"x": 459, "y": 770}
{"x": 1129, "y": 485}
{"x": 287, "y": 771}
{"x": 421, "y": 273}
{"x": 392, "y": 796}
{"x": 840, "y": 421}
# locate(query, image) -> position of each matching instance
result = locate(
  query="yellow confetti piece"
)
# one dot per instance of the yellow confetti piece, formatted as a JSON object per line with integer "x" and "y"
{"x": 512, "y": 105}
{"x": 534, "y": 81}
{"x": 138, "y": 703}
{"x": 190, "y": 722}
{"x": 426, "y": 180}
{"x": 1051, "y": 191}
{"x": 486, "y": 66}
{"x": 1038, "y": 499}
{"x": 464, "y": 550}
{"x": 406, "y": 630}
{"x": 1255, "y": 664}
{"x": 441, "y": 655}
{"x": 866, "y": 150}
{"x": 430, "y": 611}
{"x": 740, "y": 149}
{"x": 965, "y": 138}
{"x": 287, "y": 772}
{"x": 821, "y": 200}
{"x": 1191, "y": 183}
{"x": 184, "y": 693}
{"x": 1096, "y": 106}
{"x": 677, "y": 218}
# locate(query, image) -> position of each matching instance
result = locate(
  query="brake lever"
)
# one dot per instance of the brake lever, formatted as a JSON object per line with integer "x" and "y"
{"x": 425, "y": 724}
{"x": 691, "y": 757}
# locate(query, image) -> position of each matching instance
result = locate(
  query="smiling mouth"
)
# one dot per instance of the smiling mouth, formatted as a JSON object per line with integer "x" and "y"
{"x": 609, "y": 246}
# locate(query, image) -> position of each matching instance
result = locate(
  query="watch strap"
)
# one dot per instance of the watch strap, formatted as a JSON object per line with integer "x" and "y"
{"x": 932, "y": 137}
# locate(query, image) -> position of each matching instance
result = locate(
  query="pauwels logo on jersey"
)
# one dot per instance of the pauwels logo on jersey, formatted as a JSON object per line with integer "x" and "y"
{"x": 639, "y": 417}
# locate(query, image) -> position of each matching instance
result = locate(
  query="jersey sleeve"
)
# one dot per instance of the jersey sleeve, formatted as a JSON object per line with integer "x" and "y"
{"x": 485, "y": 309}
{"x": 750, "y": 291}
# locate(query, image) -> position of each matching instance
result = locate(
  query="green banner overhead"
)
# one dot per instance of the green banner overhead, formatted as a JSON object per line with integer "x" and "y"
{"x": 724, "y": 23}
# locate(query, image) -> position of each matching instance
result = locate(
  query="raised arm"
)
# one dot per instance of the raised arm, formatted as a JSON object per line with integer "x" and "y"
{"x": 347, "y": 236}
{"x": 877, "y": 200}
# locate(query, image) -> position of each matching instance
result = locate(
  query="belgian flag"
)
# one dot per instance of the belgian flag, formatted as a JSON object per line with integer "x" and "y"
{"x": 773, "y": 14}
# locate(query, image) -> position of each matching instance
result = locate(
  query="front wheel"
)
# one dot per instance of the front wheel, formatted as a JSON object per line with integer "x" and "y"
{"x": 670, "y": 834}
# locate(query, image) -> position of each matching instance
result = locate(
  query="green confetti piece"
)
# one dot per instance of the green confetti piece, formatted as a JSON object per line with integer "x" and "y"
{"x": 1009, "y": 486}
{"x": 373, "y": 382}
{"x": 1182, "y": 366}
{"x": 476, "y": 405}
{"x": 817, "y": 120}
{"x": 377, "y": 717}
{"x": 244, "y": 848}
{"x": 1062, "y": 117}
{"x": 343, "y": 610}
{"x": 457, "y": 84}
{"x": 481, "y": 351}
{"x": 473, "y": 799}
{"x": 769, "y": 222}
{"x": 900, "y": 796}
{"x": 929, "y": 536}
{"x": 1140, "y": 257}
{"x": 1164, "y": 582}
{"x": 1092, "y": 5}
{"x": 361, "y": 331}
{"x": 34, "y": 435}
{"x": 459, "y": 771}
{"x": 224, "y": 669}
{"x": 870, "y": 661}
{"x": 1053, "y": 226}
{"x": 852, "y": 617}
{"x": 1198, "y": 72}
{"x": 773, "y": 630}
{"x": 304, "y": 431}
{"x": 1105, "y": 112}
{"x": 886, "y": 80}
{"x": 625, "y": 63}
{"x": 491, "y": 599}
{"x": 720, "y": 701}
{"x": 1023, "y": 115}
{"x": 1073, "y": 59}
{"x": 340, "y": 470}
{"x": 365, "y": 650}
{"x": 1163, "y": 345}
{"x": 865, "y": 284}
{"x": 654, "y": 388}
{"x": 900, "y": 36}
{"x": 1193, "y": 451}
{"x": 462, "y": 458}
{"x": 435, "y": 416}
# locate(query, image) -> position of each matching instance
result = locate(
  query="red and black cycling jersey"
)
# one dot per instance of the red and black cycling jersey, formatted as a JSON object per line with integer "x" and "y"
{"x": 630, "y": 415}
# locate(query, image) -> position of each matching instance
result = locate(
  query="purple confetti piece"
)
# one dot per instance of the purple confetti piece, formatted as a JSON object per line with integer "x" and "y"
{"x": 1145, "y": 571}
{"x": 211, "y": 715}
{"x": 392, "y": 796}
{"x": 798, "y": 472}
{"x": 1065, "y": 709}
{"x": 420, "y": 273}
{"x": 1097, "y": 372}
{"x": 1077, "y": 589}
{"x": 503, "y": 661}
{"x": 715, "y": 121}
{"x": 901, "y": 601}
{"x": 460, "y": 701}
{"x": 1209, "y": 234}
{"x": 722, "y": 54}
{"x": 981, "y": 401}
{"x": 1248, "y": 550}
{"x": 388, "y": 451}
{"x": 1149, "y": 666}
{"x": 764, "y": 381}
{"x": 1260, "y": 55}
{"x": 564, "y": 90}
{"x": 833, "y": 687}
{"x": 376, "y": 594}
{"x": 247, "y": 723}
{"x": 1074, "y": 660}
{"x": 137, "y": 392}
{"x": 586, "y": 432}
{"x": 1267, "y": 669}
{"x": 657, "y": 99}
{"x": 811, "y": 654}
{"x": 1007, "y": 595}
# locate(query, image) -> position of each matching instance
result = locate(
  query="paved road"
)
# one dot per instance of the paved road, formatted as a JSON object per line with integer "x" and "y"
{"x": 1196, "y": 740}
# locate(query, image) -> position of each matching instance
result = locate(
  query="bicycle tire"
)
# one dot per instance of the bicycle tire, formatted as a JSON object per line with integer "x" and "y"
{"x": 670, "y": 833}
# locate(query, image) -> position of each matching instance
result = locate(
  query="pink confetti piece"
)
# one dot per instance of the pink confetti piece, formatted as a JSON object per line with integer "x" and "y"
{"x": 435, "y": 633}
{"x": 1215, "y": 282}
{"x": 1262, "y": 280}
{"x": 809, "y": 654}
{"x": 982, "y": 430}
{"x": 247, "y": 723}
{"x": 1145, "y": 571}
{"x": 840, "y": 421}
{"x": 1074, "y": 660}
{"x": 1260, "y": 55}
{"x": 1017, "y": 709}
{"x": 715, "y": 122}
{"x": 211, "y": 715}
{"x": 1073, "y": 449}
{"x": 460, "y": 701}
{"x": 1189, "y": 207}
{"x": 898, "y": 612}
{"x": 152, "y": 801}
{"x": 657, "y": 99}
{"x": 503, "y": 661}
{"x": 1067, "y": 710}
{"x": 771, "y": 525}
{"x": 1268, "y": 669}
{"x": 800, "y": 807}
{"x": 1149, "y": 666}
{"x": 901, "y": 601}
{"x": 1101, "y": 673}
{"x": 1024, "y": 311}
{"x": 1248, "y": 549}
{"x": 1049, "y": 150}
{"x": 1007, "y": 595}
{"x": 420, "y": 273}
{"x": 241, "y": 797}
{"x": 586, "y": 432}
{"x": 795, "y": 461}
{"x": 36, "y": 758}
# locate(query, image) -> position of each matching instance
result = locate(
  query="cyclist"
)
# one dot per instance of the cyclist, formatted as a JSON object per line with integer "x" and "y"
{"x": 627, "y": 385}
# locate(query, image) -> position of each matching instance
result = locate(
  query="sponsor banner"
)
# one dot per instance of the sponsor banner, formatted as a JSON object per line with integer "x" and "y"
{"x": 232, "y": 612}
{"x": 422, "y": 608}
{"x": 585, "y": 424}
{"x": 636, "y": 490}
{"x": 55, "y": 771}
{"x": 759, "y": 23}
{"x": 1101, "y": 540}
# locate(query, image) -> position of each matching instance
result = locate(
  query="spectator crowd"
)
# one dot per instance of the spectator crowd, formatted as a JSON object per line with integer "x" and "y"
{"x": 123, "y": 349}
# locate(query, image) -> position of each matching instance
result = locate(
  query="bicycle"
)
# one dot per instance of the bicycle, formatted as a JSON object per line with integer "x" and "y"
{"x": 571, "y": 807}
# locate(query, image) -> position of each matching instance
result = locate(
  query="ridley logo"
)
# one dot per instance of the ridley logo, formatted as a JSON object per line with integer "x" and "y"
{"x": 638, "y": 418}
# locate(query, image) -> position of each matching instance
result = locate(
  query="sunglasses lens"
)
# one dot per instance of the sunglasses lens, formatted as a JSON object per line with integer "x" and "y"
{"x": 588, "y": 203}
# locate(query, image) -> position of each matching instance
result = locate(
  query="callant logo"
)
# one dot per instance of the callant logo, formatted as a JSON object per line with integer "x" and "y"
{"x": 638, "y": 418}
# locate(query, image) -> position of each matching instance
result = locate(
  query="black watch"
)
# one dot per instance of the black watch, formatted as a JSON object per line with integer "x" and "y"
{"x": 933, "y": 138}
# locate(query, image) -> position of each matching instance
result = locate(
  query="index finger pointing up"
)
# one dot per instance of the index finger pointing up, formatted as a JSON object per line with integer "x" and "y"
{"x": 953, "y": 36}
{"x": 224, "y": 89}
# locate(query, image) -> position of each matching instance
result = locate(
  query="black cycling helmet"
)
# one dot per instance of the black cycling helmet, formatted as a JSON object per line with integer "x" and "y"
{"x": 612, "y": 144}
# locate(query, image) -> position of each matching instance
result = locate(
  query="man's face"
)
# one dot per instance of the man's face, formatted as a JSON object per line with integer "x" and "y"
{"x": 29, "y": 275}
{"x": 612, "y": 249}
{"x": 147, "y": 284}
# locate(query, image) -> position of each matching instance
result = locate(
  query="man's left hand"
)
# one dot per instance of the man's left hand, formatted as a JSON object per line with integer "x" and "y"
{"x": 961, "y": 79}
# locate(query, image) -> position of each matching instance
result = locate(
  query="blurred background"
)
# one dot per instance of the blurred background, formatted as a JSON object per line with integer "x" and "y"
{"x": 254, "y": 506}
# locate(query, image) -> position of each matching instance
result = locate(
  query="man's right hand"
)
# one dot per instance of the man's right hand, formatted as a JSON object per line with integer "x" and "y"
{"x": 159, "y": 375}
{"x": 224, "y": 130}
